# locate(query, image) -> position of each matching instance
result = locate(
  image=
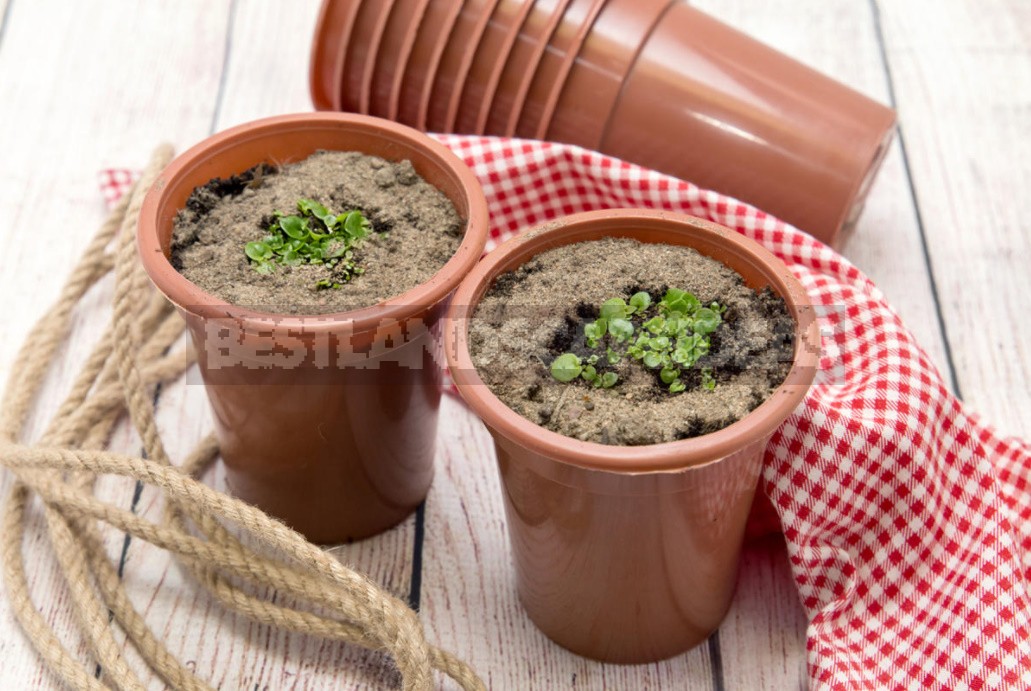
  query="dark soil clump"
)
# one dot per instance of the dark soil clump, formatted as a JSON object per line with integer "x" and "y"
{"x": 533, "y": 314}
{"x": 416, "y": 230}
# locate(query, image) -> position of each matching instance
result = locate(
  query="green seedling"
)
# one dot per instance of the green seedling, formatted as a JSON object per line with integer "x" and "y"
{"x": 569, "y": 366}
{"x": 670, "y": 337}
{"x": 314, "y": 236}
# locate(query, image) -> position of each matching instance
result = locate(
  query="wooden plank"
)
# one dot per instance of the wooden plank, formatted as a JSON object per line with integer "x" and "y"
{"x": 112, "y": 81}
{"x": 98, "y": 99}
{"x": 469, "y": 604}
{"x": 762, "y": 640}
{"x": 839, "y": 39}
{"x": 265, "y": 74}
{"x": 962, "y": 74}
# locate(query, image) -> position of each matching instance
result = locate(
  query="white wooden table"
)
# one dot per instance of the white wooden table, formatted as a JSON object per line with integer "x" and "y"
{"x": 86, "y": 84}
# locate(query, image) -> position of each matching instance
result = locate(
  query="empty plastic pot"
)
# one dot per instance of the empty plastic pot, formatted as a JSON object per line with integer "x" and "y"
{"x": 600, "y": 68}
{"x": 707, "y": 103}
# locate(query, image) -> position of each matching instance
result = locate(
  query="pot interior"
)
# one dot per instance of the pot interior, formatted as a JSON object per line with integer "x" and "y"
{"x": 284, "y": 143}
{"x": 758, "y": 268}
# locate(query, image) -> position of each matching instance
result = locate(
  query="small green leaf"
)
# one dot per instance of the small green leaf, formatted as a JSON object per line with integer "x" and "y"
{"x": 612, "y": 356}
{"x": 589, "y": 373}
{"x": 332, "y": 250}
{"x": 608, "y": 380}
{"x": 677, "y": 386}
{"x": 659, "y": 343}
{"x": 621, "y": 329}
{"x": 595, "y": 331}
{"x": 566, "y": 367}
{"x": 681, "y": 301}
{"x": 257, "y": 251}
{"x": 669, "y": 375}
{"x": 652, "y": 360}
{"x": 655, "y": 325}
{"x": 708, "y": 380}
{"x": 310, "y": 207}
{"x": 355, "y": 225}
{"x": 706, "y": 321}
{"x": 294, "y": 226}
{"x": 613, "y": 308}
{"x": 640, "y": 301}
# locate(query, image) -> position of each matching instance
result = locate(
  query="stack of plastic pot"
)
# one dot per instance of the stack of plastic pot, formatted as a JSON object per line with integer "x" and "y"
{"x": 654, "y": 82}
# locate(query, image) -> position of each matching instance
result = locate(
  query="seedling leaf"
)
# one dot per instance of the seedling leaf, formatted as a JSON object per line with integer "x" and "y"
{"x": 566, "y": 367}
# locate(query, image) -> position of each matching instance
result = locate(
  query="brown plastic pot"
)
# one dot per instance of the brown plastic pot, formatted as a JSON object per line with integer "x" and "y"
{"x": 332, "y": 29}
{"x": 360, "y": 61}
{"x": 432, "y": 37}
{"x": 629, "y": 553}
{"x": 489, "y": 61}
{"x": 601, "y": 65}
{"x": 326, "y": 422}
{"x": 706, "y": 103}
{"x": 395, "y": 48}
{"x": 455, "y": 64}
{"x": 554, "y": 67}
{"x": 525, "y": 56}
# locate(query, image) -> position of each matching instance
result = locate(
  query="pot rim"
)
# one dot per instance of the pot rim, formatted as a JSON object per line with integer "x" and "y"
{"x": 191, "y": 298}
{"x": 665, "y": 457}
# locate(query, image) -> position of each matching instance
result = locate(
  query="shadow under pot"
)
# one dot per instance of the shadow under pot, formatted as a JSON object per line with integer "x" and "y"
{"x": 625, "y": 552}
{"x": 326, "y": 418}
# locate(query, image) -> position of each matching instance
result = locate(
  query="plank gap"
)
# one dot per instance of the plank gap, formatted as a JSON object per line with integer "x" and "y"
{"x": 716, "y": 660}
{"x": 940, "y": 318}
{"x": 4, "y": 20}
{"x": 224, "y": 76}
{"x": 155, "y": 400}
{"x": 415, "y": 584}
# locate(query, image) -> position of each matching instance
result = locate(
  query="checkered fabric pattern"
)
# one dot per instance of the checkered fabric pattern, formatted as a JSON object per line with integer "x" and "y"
{"x": 907, "y": 518}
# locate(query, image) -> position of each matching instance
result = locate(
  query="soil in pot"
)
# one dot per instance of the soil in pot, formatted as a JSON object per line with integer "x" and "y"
{"x": 413, "y": 230}
{"x": 540, "y": 311}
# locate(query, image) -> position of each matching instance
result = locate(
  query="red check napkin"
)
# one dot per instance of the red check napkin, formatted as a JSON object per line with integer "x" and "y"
{"x": 907, "y": 518}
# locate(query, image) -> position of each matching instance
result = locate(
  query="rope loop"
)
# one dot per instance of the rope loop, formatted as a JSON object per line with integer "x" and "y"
{"x": 228, "y": 546}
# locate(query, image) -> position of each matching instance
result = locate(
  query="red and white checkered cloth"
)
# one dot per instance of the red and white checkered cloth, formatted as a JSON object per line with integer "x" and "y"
{"x": 907, "y": 518}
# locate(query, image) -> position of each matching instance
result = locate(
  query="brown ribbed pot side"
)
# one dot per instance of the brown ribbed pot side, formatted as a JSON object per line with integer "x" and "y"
{"x": 517, "y": 75}
{"x": 548, "y": 80}
{"x": 629, "y": 553}
{"x": 327, "y": 422}
{"x": 456, "y": 62}
{"x": 601, "y": 65}
{"x": 493, "y": 52}
{"x": 332, "y": 28}
{"x": 707, "y": 103}
{"x": 360, "y": 57}
{"x": 431, "y": 38}
{"x": 394, "y": 51}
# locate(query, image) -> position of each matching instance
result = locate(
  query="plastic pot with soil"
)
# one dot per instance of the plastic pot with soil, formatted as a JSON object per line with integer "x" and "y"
{"x": 631, "y": 367}
{"x": 321, "y": 251}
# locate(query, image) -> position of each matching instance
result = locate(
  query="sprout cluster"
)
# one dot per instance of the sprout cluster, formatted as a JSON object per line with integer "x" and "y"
{"x": 314, "y": 236}
{"x": 670, "y": 338}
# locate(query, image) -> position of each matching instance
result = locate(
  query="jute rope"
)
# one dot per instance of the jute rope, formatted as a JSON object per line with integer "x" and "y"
{"x": 228, "y": 546}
